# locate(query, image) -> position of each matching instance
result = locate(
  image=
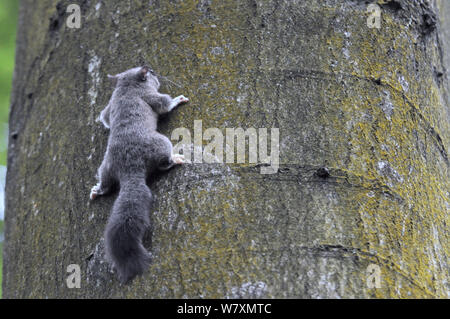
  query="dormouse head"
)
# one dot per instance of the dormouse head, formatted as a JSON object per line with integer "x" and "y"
{"x": 142, "y": 76}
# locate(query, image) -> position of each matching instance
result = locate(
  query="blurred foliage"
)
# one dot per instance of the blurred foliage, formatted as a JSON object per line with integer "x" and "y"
{"x": 1, "y": 257}
{"x": 8, "y": 22}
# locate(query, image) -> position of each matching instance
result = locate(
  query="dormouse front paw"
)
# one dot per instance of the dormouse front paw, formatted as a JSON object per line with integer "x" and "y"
{"x": 95, "y": 191}
{"x": 177, "y": 101}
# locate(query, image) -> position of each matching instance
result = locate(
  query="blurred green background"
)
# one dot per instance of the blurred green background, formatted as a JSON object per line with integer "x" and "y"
{"x": 8, "y": 22}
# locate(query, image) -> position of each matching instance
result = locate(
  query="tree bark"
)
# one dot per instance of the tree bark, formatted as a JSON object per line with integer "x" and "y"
{"x": 369, "y": 105}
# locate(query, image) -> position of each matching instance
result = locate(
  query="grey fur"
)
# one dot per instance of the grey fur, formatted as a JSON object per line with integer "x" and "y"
{"x": 135, "y": 149}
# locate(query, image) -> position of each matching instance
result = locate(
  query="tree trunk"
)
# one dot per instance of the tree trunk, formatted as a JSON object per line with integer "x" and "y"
{"x": 364, "y": 131}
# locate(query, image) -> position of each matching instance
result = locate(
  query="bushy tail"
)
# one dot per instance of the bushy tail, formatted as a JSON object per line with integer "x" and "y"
{"x": 126, "y": 226}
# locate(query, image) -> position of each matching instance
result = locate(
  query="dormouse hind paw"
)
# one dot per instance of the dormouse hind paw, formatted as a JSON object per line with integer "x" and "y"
{"x": 178, "y": 159}
{"x": 181, "y": 99}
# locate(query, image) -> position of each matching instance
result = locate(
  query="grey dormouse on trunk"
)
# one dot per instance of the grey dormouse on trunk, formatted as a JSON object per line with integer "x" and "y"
{"x": 135, "y": 150}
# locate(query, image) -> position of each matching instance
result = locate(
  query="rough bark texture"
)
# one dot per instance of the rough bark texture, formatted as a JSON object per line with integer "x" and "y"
{"x": 369, "y": 104}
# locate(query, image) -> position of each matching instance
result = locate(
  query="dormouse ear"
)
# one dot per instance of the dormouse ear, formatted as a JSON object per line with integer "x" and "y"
{"x": 113, "y": 79}
{"x": 143, "y": 73}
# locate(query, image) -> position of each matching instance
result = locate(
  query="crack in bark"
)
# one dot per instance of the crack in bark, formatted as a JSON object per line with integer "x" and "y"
{"x": 307, "y": 174}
